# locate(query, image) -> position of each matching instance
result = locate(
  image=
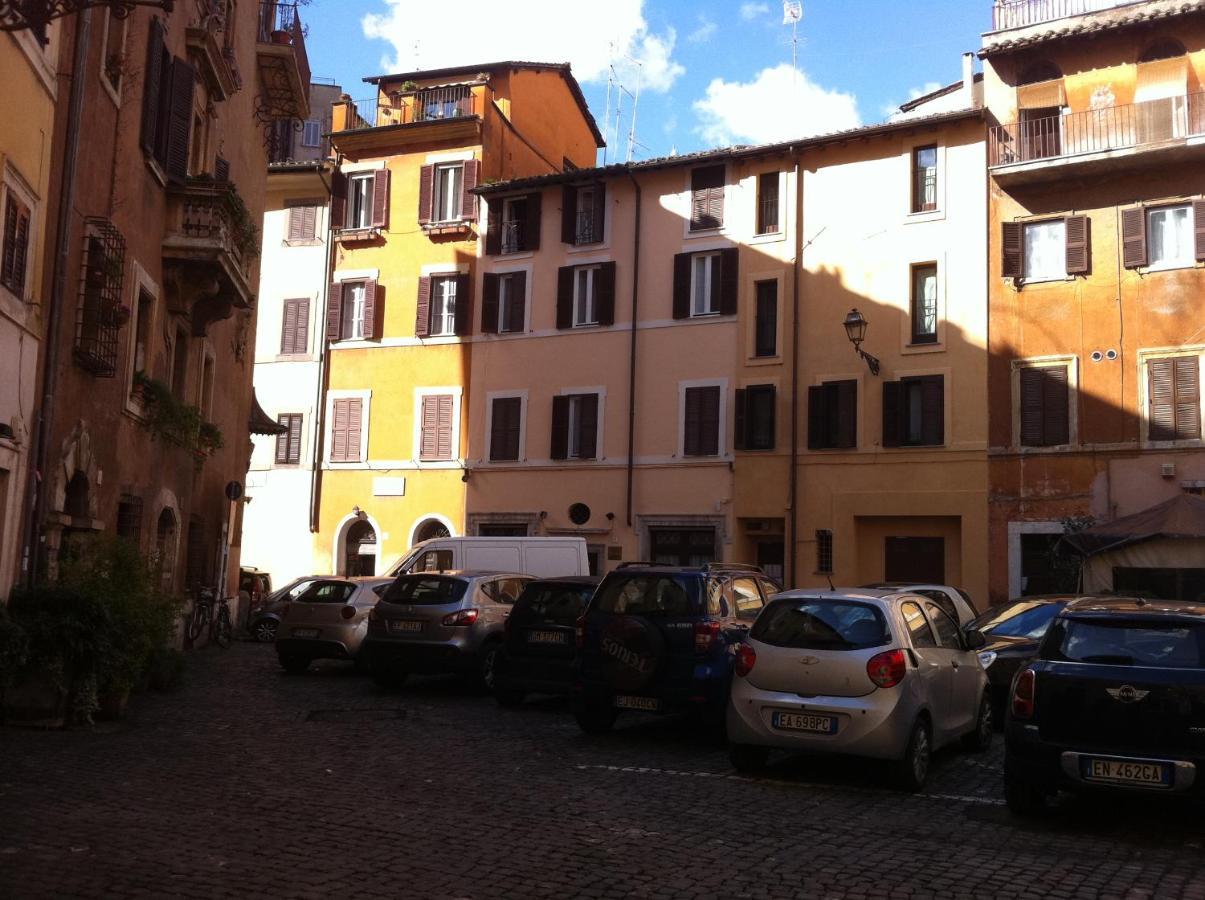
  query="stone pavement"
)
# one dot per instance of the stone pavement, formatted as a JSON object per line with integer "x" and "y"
{"x": 252, "y": 783}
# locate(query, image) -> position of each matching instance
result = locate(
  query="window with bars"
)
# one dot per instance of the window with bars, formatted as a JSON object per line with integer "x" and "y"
{"x": 701, "y": 421}
{"x": 1045, "y": 406}
{"x": 824, "y": 551}
{"x": 288, "y": 444}
{"x": 767, "y": 203}
{"x": 295, "y": 326}
{"x": 100, "y": 312}
{"x": 437, "y": 428}
{"x": 924, "y": 304}
{"x": 583, "y": 213}
{"x": 1174, "y": 398}
{"x": 196, "y": 561}
{"x": 129, "y": 518}
{"x": 924, "y": 179}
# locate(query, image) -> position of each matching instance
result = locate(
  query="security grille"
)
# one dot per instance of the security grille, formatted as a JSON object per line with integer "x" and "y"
{"x": 100, "y": 312}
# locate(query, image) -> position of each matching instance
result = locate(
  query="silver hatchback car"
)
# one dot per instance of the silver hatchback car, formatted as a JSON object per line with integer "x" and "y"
{"x": 327, "y": 619}
{"x": 873, "y": 673}
{"x": 440, "y": 622}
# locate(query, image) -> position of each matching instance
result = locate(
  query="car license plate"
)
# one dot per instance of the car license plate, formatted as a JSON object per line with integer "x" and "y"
{"x": 1124, "y": 771}
{"x": 651, "y": 704}
{"x": 305, "y": 632}
{"x": 545, "y": 637}
{"x": 405, "y": 625}
{"x": 792, "y": 721}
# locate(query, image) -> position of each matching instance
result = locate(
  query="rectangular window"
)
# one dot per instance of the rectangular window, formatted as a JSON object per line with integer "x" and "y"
{"x": 701, "y": 421}
{"x": 924, "y": 304}
{"x": 505, "y": 424}
{"x": 767, "y": 203}
{"x": 586, "y": 229}
{"x": 142, "y": 332}
{"x": 577, "y": 438}
{"x": 353, "y": 310}
{"x": 765, "y": 330}
{"x": 179, "y": 363}
{"x": 15, "y": 245}
{"x": 1170, "y": 236}
{"x": 575, "y": 426}
{"x": 914, "y": 412}
{"x": 129, "y": 518}
{"x": 114, "y": 49}
{"x": 295, "y": 325}
{"x": 311, "y": 135}
{"x": 205, "y": 393}
{"x": 443, "y": 305}
{"x": 359, "y": 200}
{"x": 706, "y": 198}
{"x": 1045, "y": 406}
{"x": 756, "y": 406}
{"x": 585, "y": 299}
{"x": 1045, "y": 250}
{"x": 1174, "y": 398}
{"x": 447, "y": 193}
{"x": 435, "y": 443}
{"x": 511, "y": 303}
{"x": 833, "y": 415}
{"x": 705, "y": 284}
{"x": 346, "y": 426}
{"x": 288, "y": 444}
{"x": 514, "y": 216}
{"x": 824, "y": 551}
{"x": 683, "y": 546}
{"x": 924, "y": 179}
{"x": 303, "y": 221}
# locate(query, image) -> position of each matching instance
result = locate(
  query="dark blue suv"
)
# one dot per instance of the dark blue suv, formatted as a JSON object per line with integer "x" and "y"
{"x": 660, "y": 639}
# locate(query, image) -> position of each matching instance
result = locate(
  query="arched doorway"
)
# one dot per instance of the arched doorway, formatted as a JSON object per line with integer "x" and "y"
{"x": 429, "y": 529}
{"x": 360, "y": 549}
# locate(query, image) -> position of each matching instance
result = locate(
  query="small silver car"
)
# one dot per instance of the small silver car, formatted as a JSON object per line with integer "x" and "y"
{"x": 440, "y": 622}
{"x": 327, "y": 619}
{"x": 874, "y": 673}
{"x": 953, "y": 600}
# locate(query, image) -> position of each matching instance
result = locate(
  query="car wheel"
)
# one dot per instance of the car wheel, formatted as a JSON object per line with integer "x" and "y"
{"x": 264, "y": 631}
{"x": 980, "y": 739}
{"x": 748, "y": 759}
{"x": 595, "y": 719}
{"x": 912, "y": 770}
{"x": 1023, "y": 798}
{"x": 293, "y": 663}
{"x": 387, "y": 676}
{"x": 486, "y": 670}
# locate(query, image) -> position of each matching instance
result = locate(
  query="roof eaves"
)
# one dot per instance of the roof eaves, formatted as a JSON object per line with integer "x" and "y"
{"x": 1096, "y": 26}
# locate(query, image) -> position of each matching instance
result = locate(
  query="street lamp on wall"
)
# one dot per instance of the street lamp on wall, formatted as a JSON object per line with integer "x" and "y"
{"x": 855, "y": 329}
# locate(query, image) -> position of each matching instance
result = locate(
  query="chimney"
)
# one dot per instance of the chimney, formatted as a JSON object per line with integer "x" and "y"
{"x": 968, "y": 78}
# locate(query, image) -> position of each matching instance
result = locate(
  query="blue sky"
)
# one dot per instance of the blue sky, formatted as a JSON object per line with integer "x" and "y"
{"x": 711, "y": 72}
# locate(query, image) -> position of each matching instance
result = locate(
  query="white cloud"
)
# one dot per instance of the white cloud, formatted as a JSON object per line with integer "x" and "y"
{"x": 705, "y": 32}
{"x": 750, "y": 11}
{"x": 773, "y": 107}
{"x": 423, "y": 37}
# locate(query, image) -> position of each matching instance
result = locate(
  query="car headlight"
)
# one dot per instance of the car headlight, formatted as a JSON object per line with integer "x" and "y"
{"x": 987, "y": 657}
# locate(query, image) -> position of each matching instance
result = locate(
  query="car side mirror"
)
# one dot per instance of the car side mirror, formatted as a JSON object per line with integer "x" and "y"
{"x": 974, "y": 639}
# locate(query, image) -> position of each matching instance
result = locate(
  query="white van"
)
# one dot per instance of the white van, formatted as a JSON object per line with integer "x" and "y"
{"x": 543, "y": 557}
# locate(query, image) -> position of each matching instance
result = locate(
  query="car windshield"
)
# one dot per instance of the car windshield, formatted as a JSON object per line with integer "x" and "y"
{"x": 554, "y": 602}
{"x": 1159, "y": 645}
{"x": 429, "y": 589}
{"x": 649, "y": 595}
{"x": 1021, "y": 619}
{"x": 821, "y": 625}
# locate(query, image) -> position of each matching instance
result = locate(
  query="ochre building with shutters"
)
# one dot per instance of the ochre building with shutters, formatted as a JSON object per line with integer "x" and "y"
{"x": 1097, "y": 239}
{"x": 391, "y": 443}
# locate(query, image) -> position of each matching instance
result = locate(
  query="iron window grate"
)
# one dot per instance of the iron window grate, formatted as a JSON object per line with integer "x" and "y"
{"x": 100, "y": 312}
{"x": 824, "y": 551}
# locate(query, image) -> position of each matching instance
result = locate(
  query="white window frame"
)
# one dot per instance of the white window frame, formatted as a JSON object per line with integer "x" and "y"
{"x": 1015, "y": 530}
{"x": 782, "y": 211}
{"x": 456, "y": 392}
{"x": 113, "y": 90}
{"x": 1186, "y": 262}
{"x": 751, "y": 281}
{"x": 722, "y": 437}
{"x": 1071, "y": 362}
{"x": 586, "y": 306}
{"x": 1050, "y": 276}
{"x": 140, "y": 283}
{"x": 13, "y": 183}
{"x": 353, "y": 311}
{"x": 313, "y": 126}
{"x": 365, "y": 398}
{"x": 205, "y": 403}
{"x": 490, "y": 397}
{"x": 508, "y": 208}
{"x": 446, "y": 318}
{"x": 601, "y": 393}
{"x": 363, "y": 221}
{"x": 1144, "y": 400}
{"x": 712, "y": 257}
{"x": 441, "y": 204}
{"x": 506, "y": 297}
{"x": 939, "y": 212}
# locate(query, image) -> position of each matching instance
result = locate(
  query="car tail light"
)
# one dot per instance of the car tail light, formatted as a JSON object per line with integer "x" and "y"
{"x": 887, "y": 669}
{"x": 1024, "y": 691}
{"x": 706, "y": 635}
{"x": 464, "y": 617}
{"x": 579, "y": 633}
{"x": 746, "y": 658}
{"x": 348, "y": 612}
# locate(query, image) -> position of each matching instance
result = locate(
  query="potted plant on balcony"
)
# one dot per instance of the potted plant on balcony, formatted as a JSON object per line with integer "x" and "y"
{"x": 280, "y": 36}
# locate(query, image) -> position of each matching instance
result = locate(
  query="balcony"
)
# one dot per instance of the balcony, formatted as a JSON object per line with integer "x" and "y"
{"x": 453, "y": 111}
{"x": 210, "y": 242}
{"x": 1009, "y": 14}
{"x": 1098, "y": 140}
{"x": 284, "y": 66}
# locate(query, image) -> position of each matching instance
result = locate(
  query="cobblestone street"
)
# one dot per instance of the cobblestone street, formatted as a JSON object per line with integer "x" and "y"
{"x": 250, "y": 782}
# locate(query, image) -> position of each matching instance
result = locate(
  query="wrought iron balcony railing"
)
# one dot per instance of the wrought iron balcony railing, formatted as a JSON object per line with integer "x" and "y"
{"x": 1008, "y": 14}
{"x": 433, "y": 105}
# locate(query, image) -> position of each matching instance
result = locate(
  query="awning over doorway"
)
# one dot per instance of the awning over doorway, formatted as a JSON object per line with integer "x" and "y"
{"x": 259, "y": 422}
{"x": 1183, "y": 516}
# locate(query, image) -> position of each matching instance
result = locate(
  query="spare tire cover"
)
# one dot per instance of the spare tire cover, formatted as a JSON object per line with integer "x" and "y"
{"x": 632, "y": 648}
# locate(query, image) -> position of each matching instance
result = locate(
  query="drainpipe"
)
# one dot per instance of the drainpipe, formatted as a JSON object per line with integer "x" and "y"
{"x": 632, "y": 351}
{"x": 323, "y": 357}
{"x": 793, "y": 476}
{"x": 58, "y": 290}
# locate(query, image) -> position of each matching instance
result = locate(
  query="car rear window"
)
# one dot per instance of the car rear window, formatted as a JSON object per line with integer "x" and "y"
{"x": 326, "y": 592}
{"x": 429, "y": 589}
{"x": 555, "y": 602}
{"x": 1023, "y": 619}
{"x": 1158, "y": 645}
{"x": 821, "y": 625}
{"x": 649, "y": 595}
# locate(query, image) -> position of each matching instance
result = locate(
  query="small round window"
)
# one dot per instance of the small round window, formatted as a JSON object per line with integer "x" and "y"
{"x": 579, "y": 514}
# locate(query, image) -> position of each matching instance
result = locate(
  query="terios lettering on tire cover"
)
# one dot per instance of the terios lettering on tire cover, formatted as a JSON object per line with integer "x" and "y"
{"x": 628, "y": 657}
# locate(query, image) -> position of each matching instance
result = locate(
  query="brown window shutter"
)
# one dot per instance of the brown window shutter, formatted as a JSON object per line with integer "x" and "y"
{"x": 710, "y": 438}
{"x": 468, "y": 201}
{"x": 493, "y": 231}
{"x": 295, "y": 438}
{"x": 338, "y": 200}
{"x": 504, "y": 428}
{"x": 1133, "y": 237}
{"x": 531, "y": 224}
{"x": 569, "y": 214}
{"x": 464, "y": 305}
{"x": 517, "y": 314}
{"x": 371, "y": 298}
{"x": 9, "y": 255}
{"x": 334, "y": 312}
{"x": 20, "y": 252}
{"x": 587, "y": 427}
{"x": 729, "y": 282}
{"x": 933, "y": 410}
{"x": 1198, "y": 225}
{"x": 221, "y": 169}
{"x": 692, "y": 414}
{"x": 600, "y": 209}
{"x": 301, "y": 333}
{"x": 428, "y": 444}
{"x": 817, "y": 416}
{"x": 682, "y": 263}
{"x": 1012, "y": 249}
{"x": 1161, "y": 391}
{"x": 355, "y": 410}
{"x": 564, "y": 297}
{"x": 1033, "y": 417}
{"x": 489, "y": 304}
{"x": 1079, "y": 244}
{"x": 740, "y": 439}
{"x": 847, "y": 414}
{"x": 288, "y": 327}
{"x": 445, "y": 428}
{"x": 604, "y": 293}
{"x": 707, "y": 197}
{"x": 380, "y": 198}
{"x": 179, "y": 127}
{"x": 422, "y": 318}
{"x": 560, "y": 428}
{"x": 715, "y": 206}
{"x": 426, "y": 193}
{"x": 760, "y": 417}
{"x": 892, "y": 413}
{"x": 339, "y": 430}
{"x": 1188, "y": 398}
{"x": 151, "y": 87}
{"x": 282, "y": 441}
{"x": 296, "y": 226}
{"x": 1056, "y": 406}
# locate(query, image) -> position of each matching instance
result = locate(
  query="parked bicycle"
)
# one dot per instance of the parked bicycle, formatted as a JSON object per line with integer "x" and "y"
{"x": 221, "y": 627}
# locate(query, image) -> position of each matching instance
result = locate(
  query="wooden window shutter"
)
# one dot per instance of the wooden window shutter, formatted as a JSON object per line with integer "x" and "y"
{"x": 1188, "y": 398}
{"x": 1198, "y": 226}
{"x": 338, "y": 200}
{"x": 564, "y": 298}
{"x": 445, "y": 428}
{"x": 20, "y": 252}
{"x": 354, "y": 413}
{"x": 933, "y": 410}
{"x": 710, "y": 437}
{"x": 504, "y": 428}
{"x": 517, "y": 312}
{"x": 380, "y": 198}
{"x": 817, "y": 416}
{"x": 682, "y": 262}
{"x": 288, "y": 327}
{"x": 1056, "y": 406}
{"x": 179, "y": 127}
{"x": 296, "y": 223}
{"x": 468, "y": 201}
{"x": 463, "y": 323}
{"x": 740, "y": 425}
{"x": 600, "y": 209}
{"x": 847, "y": 414}
{"x": 892, "y": 413}
{"x": 587, "y": 426}
{"x": 151, "y": 88}
{"x": 426, "y": 194}
{"x": 569, "y": 214}
{"x": 1133, "y": 237}
{"x": 371, "y": 297}
{"x": 729, "y": 263}
{"x": 1012, "y": 249}
{"x": 493, "y": 230}
{"x": 560, "y": 428}
{"x": 339, "y": 414}
{"x": 422, "y": 318}
{"x": 1078, "y": 230}
{"x": 604, "y": 293}
{"x": 282, "y": 440}
{"x": 489, "y": 304}
{"x": 295, "y": 438}
{"x": 762, "y": 418}
{"x": 334, "y": 312}
{"x": 692, "y": 415}
{"x": 531, "y": 223}
{"x": 221, "y": 169}
{"x": 301, "y": 332}
{"x": 1033, "y": 416}
{"x": 1161, "y": 389}
{"x": 428, "y": 428}
{"x": 707, "y": 197}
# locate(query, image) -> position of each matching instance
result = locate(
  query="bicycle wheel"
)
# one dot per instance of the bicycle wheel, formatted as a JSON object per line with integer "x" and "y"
{"x": 196, "y": 622}
{"x": 222, "y": 629}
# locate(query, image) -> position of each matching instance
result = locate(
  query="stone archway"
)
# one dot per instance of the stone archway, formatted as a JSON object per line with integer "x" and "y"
{"x": 429, "y": 529}
{"x": 360, "y": 549}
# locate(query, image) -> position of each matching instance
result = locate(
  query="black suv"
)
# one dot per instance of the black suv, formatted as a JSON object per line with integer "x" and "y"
{"x": 660, "y": 639}
{"x": 1114, "y": 700}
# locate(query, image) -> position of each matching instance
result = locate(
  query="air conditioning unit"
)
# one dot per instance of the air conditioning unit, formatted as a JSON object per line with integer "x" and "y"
{"x": 1168, "y": 470}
